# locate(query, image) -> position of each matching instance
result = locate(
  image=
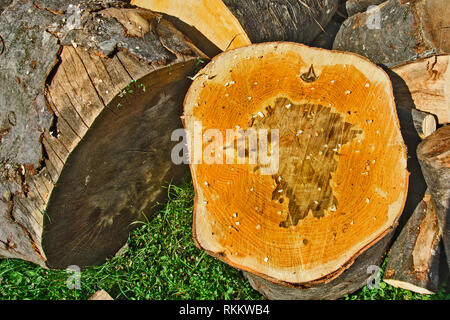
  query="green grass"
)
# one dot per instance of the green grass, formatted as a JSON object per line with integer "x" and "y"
{"x": 388, "y": 292}
{"x": 160, "y": 262}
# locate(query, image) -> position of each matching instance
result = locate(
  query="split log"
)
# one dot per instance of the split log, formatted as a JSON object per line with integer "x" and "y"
{"x": 294, "y": 217}
{"x": 424, "y": 123}
{"x": 397, "y": 31}
{"x": 88, "y": 95}
{"x": 356, "y": 6}
{"x": 413, "y": 262}
{"x": 434, "y": 157}
{"x": 234, "y": 23}
{"x": 427, "y": 85}
{"x": 211, "y": 18}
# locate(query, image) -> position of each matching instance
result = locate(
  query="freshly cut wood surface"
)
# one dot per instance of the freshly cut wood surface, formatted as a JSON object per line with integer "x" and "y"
{"x": 87, "y": 109}
{"x": 211, "y": 17}
{"x": 341, "y": 182}
{"x": 424, "y": 123}
{"x": 234, "y": 23}
{"x": 413, "y": 262}
{"x": 427, "y": 84}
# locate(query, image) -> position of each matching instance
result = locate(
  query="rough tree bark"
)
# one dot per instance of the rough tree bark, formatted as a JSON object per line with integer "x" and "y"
{"x": 89, "y": 93}
{"x": 434, "y": 157}
{"x": 414, "y": 257}
{"x": 250, "y": 21}
{"x": 299, "y": 225}
{"x": 397, "y": 31}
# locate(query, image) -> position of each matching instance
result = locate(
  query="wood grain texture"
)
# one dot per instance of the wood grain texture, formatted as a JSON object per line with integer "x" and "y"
{"x": 231, "y": 24}
{"x": 73, "y": 76}
{"x": 347, "y": 128}
{"x": 427, "y": 84}
{"x": 283, "y": 20}
{"x": 424, "y": 123}
{"x": 413, "y": 262}
{"x": 210, "y": 17}
{"x": 434, "y": 157}
{"x": 397, "y": 31}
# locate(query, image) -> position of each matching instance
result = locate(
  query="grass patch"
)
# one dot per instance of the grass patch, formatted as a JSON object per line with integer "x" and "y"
{"x": 159, "y": 262}
{"x": 388, "y": 292}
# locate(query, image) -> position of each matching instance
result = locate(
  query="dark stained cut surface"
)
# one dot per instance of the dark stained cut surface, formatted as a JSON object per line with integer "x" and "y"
{"x": 110, "y": 180}
{"x": 308, "y": 150}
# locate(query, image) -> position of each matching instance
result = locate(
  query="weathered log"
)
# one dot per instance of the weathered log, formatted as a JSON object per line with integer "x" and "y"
{"x": 234, "y": 23}
{"x": 427, "y": 85}
{"x": 298, "y": 223}
{"x": 88, "y": 95}
{"x": 413, "y": 262}
{"x": 434, "y": 157}
{"x": 397, "y": 31}
{"x": 355, "y": 6}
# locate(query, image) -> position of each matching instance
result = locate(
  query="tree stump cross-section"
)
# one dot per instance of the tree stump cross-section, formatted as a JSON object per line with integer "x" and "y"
{"x": 341, "y": 178}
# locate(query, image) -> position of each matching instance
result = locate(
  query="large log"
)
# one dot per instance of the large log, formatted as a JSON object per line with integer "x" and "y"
{"x": 234, "y": 23}
{"x": 301, "y": 222}
{"x": 89, "y": 95}
{"x": 434, "y": 157}
{"x": 397, "y": 31}
{"x": 413, "y": 262}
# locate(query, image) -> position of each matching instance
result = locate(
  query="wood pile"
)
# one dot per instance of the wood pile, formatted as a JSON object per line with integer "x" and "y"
{"x": 309, "y": 164}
